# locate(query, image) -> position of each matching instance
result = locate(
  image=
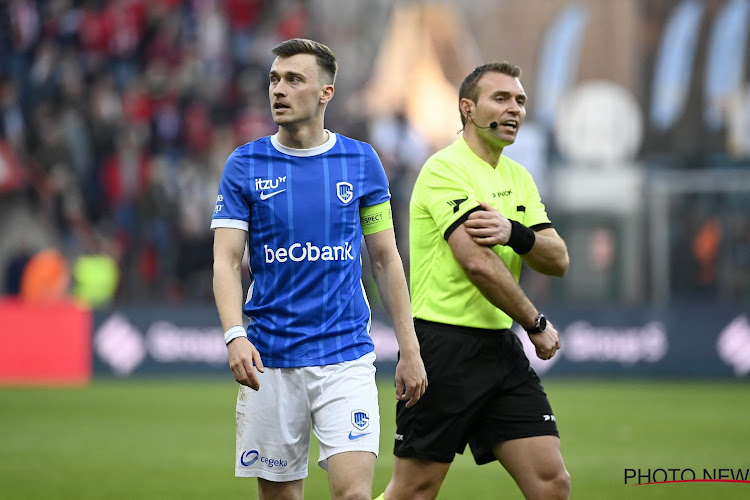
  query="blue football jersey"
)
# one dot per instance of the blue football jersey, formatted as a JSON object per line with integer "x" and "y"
{"x": 306, "y": 303}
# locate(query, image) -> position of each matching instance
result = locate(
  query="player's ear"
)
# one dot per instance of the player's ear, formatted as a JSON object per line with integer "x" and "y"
{"x": 326, "y": 94}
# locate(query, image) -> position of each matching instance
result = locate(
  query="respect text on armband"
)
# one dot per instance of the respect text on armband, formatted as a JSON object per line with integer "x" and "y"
{"x": 298, "y": 252}
{"x": 371, "y": 219}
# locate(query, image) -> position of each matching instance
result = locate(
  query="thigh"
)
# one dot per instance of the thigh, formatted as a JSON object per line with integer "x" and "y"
{"x": 344, "y": 405}
{"x": 415, "y": 479}
{"x": 350, "y": 474}
{"x": 273, "y": 427}
{"x": 290, "y": 490}
{"x": 532, "y": 462}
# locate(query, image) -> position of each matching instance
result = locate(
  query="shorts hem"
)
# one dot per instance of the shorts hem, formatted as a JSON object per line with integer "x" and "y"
{"x": 345, "y": 450}
{"x": 268, "y": 476}
{"x": 524, "y": 435}
{"x": 488, "y": 458}
{"x": 424, "y": 456}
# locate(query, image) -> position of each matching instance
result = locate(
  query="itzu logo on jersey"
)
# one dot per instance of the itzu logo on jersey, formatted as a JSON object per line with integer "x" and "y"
{"x": 269, "y": 187}
{"x": 268, "y": 183}
{"x": 298, "y": 252}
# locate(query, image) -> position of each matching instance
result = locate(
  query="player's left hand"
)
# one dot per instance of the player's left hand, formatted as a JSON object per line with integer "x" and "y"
{"x": 488, "y": 227}
{"x": 411, "y": 378}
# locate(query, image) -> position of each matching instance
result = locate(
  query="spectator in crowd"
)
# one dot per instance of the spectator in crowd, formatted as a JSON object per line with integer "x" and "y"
{"x": 112, "y": 115}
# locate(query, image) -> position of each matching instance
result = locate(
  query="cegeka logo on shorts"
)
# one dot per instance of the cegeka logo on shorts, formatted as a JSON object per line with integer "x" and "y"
{"x": 248, "y": 458}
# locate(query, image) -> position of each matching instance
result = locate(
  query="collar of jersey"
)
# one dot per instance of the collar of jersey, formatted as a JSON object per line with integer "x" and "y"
{"x": 317, "y": 150}
{"x": 475, "y": 157}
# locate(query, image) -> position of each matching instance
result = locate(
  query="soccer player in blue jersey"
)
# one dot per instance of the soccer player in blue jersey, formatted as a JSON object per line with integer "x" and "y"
{"x": 301, "y": 200}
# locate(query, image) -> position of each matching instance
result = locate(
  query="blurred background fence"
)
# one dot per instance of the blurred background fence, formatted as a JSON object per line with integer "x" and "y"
{"x": 116, "y": 118}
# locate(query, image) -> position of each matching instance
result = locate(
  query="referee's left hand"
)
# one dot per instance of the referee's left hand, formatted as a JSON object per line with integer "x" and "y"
{"x": 546, "y": 343}
{"x": 488, "y": 227}
{"x": 411, "y": 378}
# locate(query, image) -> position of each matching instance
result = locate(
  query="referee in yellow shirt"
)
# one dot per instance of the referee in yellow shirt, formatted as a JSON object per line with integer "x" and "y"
{"x": 475, "y": 217}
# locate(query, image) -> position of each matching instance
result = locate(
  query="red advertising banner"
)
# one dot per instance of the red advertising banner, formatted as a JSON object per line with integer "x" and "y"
{"x": 44, "y": 344}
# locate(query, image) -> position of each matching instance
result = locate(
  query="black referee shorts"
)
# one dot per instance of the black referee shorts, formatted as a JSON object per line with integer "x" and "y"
{"x": 482, "y": 391}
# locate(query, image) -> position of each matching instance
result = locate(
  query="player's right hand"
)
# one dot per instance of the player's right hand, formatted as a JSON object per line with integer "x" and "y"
{"x": 411, "y": 378}
{"x": 547, "y": 343}
{"x": 244, "y": 359}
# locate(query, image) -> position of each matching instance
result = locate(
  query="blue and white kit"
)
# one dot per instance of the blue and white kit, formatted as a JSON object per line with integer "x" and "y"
{"x": 309, "y": 316}
{"x": 301, "y": 209}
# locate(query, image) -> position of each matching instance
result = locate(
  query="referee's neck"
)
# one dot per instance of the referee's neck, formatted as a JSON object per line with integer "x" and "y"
{"x": 490, "y": 152}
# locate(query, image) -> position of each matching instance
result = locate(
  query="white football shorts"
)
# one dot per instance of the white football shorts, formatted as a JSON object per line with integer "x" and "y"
{"x": 340, "y": 401}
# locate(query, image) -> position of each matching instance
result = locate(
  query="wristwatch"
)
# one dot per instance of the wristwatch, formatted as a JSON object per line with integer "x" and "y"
{"x": 539, "y": 325}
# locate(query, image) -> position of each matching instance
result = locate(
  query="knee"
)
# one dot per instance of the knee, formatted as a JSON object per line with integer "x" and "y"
{"x": 558, "y": 485}
{"x": 414, "y": 489}
{"x": 352, "y": 493}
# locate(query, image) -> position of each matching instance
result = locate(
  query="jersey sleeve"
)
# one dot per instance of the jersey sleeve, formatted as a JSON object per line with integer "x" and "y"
{"x": 534, "y": 212}
{"x": 232, "y": 209}
{"x": 446, "y": 194}
{"x": 376, "y": 182}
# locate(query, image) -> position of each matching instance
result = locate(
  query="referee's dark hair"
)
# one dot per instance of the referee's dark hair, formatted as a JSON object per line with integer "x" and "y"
{"x": 469, "y": 85}
{"x": 323, "y": 54}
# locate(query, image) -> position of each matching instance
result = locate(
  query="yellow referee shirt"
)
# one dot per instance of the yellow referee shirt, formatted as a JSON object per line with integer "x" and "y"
{"x": 449, "y": 187}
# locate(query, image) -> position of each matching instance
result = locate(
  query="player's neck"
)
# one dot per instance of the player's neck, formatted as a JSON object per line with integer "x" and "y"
{"x": 488, "y": 152}
{"x": 302, "y": 137}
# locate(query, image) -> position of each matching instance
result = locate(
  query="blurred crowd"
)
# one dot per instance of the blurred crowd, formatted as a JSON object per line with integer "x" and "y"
{"x": 116, "y": 118}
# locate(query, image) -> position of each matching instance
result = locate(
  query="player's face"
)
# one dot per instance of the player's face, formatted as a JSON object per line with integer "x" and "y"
{"x": 502, "y": 100}
{"x": 295, "y": 89}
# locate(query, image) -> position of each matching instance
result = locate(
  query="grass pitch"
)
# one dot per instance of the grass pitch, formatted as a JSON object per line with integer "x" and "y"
{"x": 164, "y": 439}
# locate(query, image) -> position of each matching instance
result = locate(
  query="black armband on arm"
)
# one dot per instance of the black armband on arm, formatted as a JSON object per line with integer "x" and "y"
{"x": 521, "y": 239}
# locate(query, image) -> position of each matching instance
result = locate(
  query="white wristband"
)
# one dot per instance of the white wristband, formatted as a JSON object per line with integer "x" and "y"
{"x": 233, "y": 333}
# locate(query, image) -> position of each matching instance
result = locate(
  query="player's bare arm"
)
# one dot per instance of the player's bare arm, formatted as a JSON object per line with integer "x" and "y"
{"x": 229, "y": 247}
{"x": 388, "y": 271}
{"x": 549, "y": 255}
{"x": 492, "y": 277}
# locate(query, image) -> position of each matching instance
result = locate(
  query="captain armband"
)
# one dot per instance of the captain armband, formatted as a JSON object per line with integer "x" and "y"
{"x": 376, "y": 218}
{"x": 521, "y": 239}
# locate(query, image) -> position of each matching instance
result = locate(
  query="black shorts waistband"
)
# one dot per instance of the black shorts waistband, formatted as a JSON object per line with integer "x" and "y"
{"x": 464, "y": 330}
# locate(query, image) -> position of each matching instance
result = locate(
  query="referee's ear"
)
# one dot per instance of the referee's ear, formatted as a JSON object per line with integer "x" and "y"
{"x": 464, "y": 107}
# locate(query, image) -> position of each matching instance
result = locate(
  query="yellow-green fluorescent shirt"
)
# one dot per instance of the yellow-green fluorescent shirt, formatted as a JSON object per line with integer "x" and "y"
{"x": 450, "y": 186}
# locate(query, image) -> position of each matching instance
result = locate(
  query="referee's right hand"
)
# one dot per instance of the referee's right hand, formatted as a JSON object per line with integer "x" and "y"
{"x": 242, "y": 357}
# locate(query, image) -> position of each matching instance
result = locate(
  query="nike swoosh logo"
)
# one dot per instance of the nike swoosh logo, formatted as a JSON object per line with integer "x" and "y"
{"x": 264, "y": 196}
{"x": 357, "y": 436}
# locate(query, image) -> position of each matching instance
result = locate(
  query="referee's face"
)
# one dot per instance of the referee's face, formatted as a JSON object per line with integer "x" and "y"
{"x": 295, "y": 89}
{"x": 501, "y": 99}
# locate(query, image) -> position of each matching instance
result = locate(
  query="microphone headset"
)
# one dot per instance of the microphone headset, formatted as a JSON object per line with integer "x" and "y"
{"x": 492, "y": 125}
